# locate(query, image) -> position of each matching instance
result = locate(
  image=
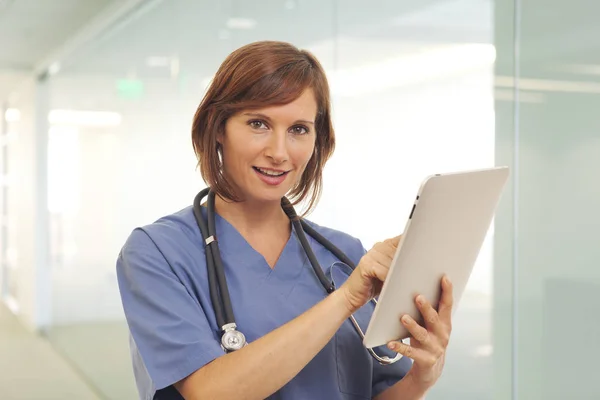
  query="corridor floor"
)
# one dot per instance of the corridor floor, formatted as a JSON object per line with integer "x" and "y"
{"x": 30, "y": 369}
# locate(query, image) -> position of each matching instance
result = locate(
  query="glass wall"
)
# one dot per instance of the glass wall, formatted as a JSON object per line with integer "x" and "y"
{"x": 418, "y": 88}
{"x": 413, "y": 95}
{"x": 550, "y": 132}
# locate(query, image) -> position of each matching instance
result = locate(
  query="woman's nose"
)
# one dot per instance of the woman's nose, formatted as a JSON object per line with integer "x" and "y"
{"x": 277, "y": 148}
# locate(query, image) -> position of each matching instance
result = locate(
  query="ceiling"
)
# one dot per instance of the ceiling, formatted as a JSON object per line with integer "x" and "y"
{"x": 31, "y": 30}
{"x": 197, "y": 34}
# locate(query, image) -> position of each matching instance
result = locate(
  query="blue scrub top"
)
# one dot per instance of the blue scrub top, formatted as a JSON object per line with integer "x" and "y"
{"x": 163, "y": 282}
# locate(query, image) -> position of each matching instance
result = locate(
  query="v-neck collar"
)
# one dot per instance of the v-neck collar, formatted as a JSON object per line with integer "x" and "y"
{"x": 237, "y": 250}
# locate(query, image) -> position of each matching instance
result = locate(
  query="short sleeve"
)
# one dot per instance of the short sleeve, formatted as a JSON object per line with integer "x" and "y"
{"x": 385, "y": 376}
{"x": 357, "y": 251}
{"x": 169, "y": 327}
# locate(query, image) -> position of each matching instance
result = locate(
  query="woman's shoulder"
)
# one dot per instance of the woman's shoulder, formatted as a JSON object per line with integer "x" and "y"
{"x": 173, "y": 230}
{"x": 346, "y": 242}
{"x": 329, "y": 232}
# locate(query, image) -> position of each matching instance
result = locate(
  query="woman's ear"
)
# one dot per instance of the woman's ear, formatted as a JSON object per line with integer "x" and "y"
{"x": 219, "y": 146}
{"x": 220, "y": 136}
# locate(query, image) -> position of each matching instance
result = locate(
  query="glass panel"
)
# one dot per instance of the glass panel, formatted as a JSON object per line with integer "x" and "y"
{"x": 413, "y": 95}
{"x": 121, "y": 119}
{"x": 504, "y": 226}
{"x": 558, "y": 195}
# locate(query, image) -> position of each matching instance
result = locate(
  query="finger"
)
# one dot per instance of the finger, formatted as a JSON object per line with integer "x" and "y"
{"x": 382, "y": 253}
{"x": 421, "y": 357}
{"x": 446, "y": 301}
{"x": 371, "y": 268}
{"x": 418, "y": 332}
{"x": 394, "y": 242}
{"x": 380, "y": 271}
{"x": 374, "y": 265}
{"x": 430, "y": 316}
{"x": 388, "y": 248}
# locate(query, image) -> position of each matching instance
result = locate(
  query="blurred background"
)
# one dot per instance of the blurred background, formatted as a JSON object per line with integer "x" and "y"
{"x": 96, "y": 103}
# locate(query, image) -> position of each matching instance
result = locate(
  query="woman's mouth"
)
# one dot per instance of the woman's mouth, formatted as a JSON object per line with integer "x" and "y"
{"x": 270, "y": 172}
{"x": 270, "y": 176}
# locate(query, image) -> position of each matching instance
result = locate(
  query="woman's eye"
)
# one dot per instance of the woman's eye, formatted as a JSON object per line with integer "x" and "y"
{"x": 257, "y": 124}
{"x": 299, "y": 130}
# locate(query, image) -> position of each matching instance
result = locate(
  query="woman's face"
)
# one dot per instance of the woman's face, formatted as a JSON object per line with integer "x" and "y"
{"x": 265, "y": 151}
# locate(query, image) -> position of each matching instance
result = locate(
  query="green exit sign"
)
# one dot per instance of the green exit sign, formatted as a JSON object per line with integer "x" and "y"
{"x": 130, "y": 88}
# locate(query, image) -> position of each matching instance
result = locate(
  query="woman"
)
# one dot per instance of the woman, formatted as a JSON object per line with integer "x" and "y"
{"x": 263, "y": 131}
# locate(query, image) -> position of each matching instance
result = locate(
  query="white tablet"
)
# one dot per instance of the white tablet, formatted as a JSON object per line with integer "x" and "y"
{"x": 444, "y": 233}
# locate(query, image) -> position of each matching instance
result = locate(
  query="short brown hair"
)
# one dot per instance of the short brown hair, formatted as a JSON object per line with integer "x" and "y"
{"x": 258, "y": 75}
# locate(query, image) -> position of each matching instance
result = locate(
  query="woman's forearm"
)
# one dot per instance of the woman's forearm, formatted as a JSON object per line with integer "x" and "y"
{"x": 264, "y": 366}
{"x": 405, "y": 389}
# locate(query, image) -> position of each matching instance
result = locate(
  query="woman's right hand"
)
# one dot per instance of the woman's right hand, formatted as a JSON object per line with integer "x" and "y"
{"x": 366, "y": 280}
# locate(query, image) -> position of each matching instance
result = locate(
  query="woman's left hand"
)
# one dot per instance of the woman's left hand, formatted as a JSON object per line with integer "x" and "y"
{"x": 428, "y": 344}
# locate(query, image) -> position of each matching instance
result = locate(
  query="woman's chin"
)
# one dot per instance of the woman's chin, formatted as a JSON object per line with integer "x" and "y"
{"x": 270, "y": 194}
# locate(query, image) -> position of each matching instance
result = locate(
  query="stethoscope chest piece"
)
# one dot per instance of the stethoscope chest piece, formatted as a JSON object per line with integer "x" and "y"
{"x": 232, "y": 339}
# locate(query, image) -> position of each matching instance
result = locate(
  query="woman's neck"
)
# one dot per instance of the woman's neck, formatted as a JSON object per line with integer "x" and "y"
{"x": 251, "y": 218}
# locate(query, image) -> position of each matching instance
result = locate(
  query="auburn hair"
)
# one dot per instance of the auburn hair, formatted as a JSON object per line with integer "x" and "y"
{"x": 259, "y": 75}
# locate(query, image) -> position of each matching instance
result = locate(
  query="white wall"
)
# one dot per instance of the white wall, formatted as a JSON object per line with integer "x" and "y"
{"x": 28, "y": 294}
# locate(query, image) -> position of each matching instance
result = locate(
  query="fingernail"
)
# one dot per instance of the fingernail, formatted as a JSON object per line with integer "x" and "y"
{"x": 406, "y": 319}
{"x": 420, "y": 299}
{"x": 392, "y": 346}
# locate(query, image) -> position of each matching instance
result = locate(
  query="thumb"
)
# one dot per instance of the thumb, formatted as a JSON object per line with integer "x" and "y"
{"x": 394, "y": 241}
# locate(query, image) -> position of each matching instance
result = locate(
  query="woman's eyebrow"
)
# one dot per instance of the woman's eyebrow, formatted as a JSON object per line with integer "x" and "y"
{"x": 305, "y": 121}
{"x": 263, "y": 116}
{"x": 258, "y": 115}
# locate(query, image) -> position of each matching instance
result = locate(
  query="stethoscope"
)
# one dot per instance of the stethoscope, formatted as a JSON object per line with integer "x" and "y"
{"x": 231, "y": 338}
